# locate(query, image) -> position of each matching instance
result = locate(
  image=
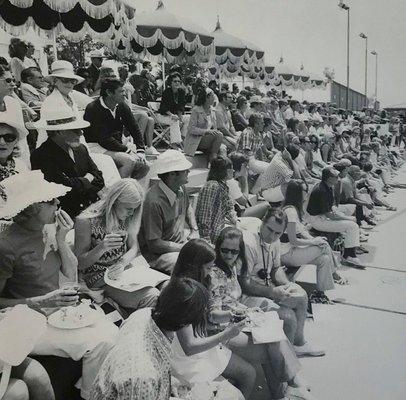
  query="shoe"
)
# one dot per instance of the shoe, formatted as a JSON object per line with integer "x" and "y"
{"x": 301, "y": 383}
{"x": 294, "y": 393}
{"x": 369, "y": 221}
{"x": 363, "y": 239}
{"x": 307, "y": 351}
{"x": 361, "y": 250}
{"x": 367, "y": 227}
{"x": 319, "y": 297}
{"x": 356, "y": 262}
{"x": 151, "y": 151}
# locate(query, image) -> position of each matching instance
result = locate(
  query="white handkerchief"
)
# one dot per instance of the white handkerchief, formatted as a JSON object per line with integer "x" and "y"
{"x": 49, "y": 239}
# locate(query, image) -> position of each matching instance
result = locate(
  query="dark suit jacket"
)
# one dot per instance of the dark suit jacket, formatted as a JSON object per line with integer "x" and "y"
{"x": 168, "y": 102}
{"x": 94, "y": 75}
{"x": 57, "y": 166}
{"x": 107, "y": 131}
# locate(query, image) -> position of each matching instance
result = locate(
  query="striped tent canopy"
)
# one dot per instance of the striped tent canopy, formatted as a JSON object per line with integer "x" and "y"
{"x": 265, "y": 74}
{"x": 160, "y": 34}
{"x": 235, "y": 56}
{"x": 286, "y": 76}
{"x": 105, "y": 20}
{"x": 317, "y": 81}
{"x": 303, "y": 81}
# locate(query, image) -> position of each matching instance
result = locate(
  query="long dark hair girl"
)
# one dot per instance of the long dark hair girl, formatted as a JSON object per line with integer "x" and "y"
{"x": 294, "y": 196}
{"x": 193, "y": 255}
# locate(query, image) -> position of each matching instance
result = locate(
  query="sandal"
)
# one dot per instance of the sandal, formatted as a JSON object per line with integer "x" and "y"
{"x": 319, "y": 298}
{"x": 340, "y": 280}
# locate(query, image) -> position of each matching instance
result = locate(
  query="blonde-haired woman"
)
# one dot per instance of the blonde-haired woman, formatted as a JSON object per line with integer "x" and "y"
{"x": 106, "y": 238}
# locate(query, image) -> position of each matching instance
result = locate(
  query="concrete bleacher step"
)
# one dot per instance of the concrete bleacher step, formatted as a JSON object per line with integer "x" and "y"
{"x": 197, "y": 178}
{"x": 253, "y": 199}
{"x": 199, "y": 160}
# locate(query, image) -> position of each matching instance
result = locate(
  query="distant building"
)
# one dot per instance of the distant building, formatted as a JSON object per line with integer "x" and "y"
{"x": 356, "y": 100}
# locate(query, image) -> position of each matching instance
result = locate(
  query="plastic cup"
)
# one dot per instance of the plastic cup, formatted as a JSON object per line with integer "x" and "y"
{"x": 70, "y": 286}
{"x": 238, "y": 314}
{"x": 123, "y": 235}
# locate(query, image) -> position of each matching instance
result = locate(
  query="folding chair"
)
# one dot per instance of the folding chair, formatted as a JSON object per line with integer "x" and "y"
{"x": 162, "y": 131}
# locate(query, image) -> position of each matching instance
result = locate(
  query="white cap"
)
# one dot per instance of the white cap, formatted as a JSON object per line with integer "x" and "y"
{"x": 169, "y": 161}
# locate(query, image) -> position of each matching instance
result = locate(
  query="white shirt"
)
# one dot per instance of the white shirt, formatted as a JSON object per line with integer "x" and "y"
{"x": 113, "y": 112}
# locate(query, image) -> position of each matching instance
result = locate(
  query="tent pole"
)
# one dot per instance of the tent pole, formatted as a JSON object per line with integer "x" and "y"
{"x": 163, "y": 73}
{"x": 54, "y": 46}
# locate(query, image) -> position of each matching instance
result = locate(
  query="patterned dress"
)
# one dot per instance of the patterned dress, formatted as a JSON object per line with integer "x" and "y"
{"x": 94, "y": 275}
{"x": 138, "y": 367}
{"x": 225, "y": 292}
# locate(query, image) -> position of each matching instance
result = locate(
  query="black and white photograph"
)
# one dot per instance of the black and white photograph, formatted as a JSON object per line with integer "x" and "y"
{"x": 202, "y": 200}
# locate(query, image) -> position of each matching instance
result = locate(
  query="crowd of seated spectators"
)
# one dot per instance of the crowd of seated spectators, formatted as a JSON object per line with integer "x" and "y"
{"x": 289, "y": 184}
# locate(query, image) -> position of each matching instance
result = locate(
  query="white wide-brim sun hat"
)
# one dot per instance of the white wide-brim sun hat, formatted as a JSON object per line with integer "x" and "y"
{"x": 74, "y": 122}
{"x": 62, "y": 69}
{"x": 18, "y": 192}
{"x": 170, "y": 161}
{"x": 60, "y": 119}
{"x": 6, "y": 118}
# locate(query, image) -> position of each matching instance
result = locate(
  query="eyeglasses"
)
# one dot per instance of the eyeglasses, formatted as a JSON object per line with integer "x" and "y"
{"x": 9, "y": 137}
{"x": 176, "y": 81}
{"x": 230, "y": 251}
{"x": 67, "y": 80}
{"x": 8, "y": 80}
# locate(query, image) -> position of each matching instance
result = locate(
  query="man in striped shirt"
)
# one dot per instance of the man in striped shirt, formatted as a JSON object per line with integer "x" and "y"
{"x": 280, "y": 170}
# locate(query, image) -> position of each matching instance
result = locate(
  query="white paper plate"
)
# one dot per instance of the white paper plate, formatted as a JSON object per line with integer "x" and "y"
{"x": 89, "y": 318}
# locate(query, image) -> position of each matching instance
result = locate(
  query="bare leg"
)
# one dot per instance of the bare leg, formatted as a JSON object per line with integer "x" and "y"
{"x": 298, "y": 303}
{"x": 149, "y": 132}
{"x": 289, "y": 319}
{"x": 16, "y": 390}
{"x": 142, "y": 298}
{"x": 242, "y": 373}
{"x": 257, "y": 211}
{"x": 124, "y": 163}
{"x": 36, "y": 378}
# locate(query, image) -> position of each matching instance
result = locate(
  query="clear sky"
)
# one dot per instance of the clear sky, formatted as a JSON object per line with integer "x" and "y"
{"x": 314, "y": 32}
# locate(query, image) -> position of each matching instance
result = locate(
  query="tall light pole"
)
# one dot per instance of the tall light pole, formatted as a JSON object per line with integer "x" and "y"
{"x": 363, "y": 36}
{"x": 374, "y": 53}
{"x": 345, "y": 7}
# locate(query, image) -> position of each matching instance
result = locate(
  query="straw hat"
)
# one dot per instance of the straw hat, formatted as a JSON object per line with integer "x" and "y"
{"x": 170, "y": 161}
{"x": 63, "y": 69}
{"x": 17, "y": 192}
{"x": 59, "y": 119}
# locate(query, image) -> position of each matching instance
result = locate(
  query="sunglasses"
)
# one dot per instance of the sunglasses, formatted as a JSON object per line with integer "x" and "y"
{"x": 9, "y": 137}
{"x": 8, "y": 80}
{"x": 230, "y": 251}
{"x": 67, "y": 80}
